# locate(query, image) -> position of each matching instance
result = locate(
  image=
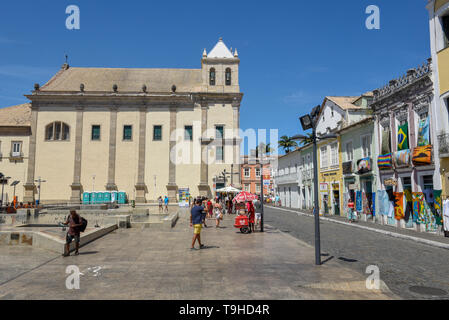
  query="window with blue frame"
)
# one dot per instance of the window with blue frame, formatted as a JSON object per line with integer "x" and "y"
{"x": 127, "y": 132}
{"x": 95, "y": 132}
{"x": 188, "y": 133}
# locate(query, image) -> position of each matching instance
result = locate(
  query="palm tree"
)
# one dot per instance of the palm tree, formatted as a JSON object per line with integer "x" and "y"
{"x": 264, "y": 149}
{"x": 287, "y": 143}
{"x": 307, "y": 140}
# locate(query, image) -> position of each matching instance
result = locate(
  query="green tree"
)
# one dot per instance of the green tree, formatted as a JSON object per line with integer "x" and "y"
{"x": 287, "y": 143}
{"x": 307, "y": 140}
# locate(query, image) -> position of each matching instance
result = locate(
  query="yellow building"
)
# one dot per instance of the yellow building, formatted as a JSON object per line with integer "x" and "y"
{"x": 147, "y": 132}
{"x": 330, "y": 177}
{"x": 336, "y": 113}
{"x": 439, "y": 40}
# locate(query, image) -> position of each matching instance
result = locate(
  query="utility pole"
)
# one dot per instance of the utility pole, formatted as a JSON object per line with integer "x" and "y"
{"x": 308, "y": 122}
{"x": 4, "y": 179}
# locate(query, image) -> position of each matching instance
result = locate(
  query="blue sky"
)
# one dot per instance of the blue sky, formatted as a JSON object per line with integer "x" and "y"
{"x": 293, "y": 53}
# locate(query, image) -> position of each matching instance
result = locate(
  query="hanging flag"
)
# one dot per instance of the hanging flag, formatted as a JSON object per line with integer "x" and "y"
{"x": 403, "y": 137}
{"x": 423, "y": 133}
{"x": 384, "y": 162}
{"x": 358, "y": 201}
{"x": 399, "y": 205}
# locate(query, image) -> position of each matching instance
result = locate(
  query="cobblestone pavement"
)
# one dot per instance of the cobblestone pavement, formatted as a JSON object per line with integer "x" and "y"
{"x": 402, "y": 263}
{"x": 147, "y": 264}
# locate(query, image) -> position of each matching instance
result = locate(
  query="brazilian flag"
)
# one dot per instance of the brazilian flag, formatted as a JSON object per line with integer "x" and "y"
{"x": 403, "y": 137}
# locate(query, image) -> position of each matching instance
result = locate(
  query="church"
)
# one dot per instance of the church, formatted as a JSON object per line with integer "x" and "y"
{"x": 146, "y": 132}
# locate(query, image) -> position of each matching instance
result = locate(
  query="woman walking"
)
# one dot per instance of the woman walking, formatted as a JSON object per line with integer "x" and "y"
{"x": 251, "y": 215}
{"x": 218, "y": 211}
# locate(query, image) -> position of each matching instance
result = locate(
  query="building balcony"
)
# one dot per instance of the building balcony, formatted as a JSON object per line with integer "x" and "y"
{"x": 14, "y": 156}
{"x": 348, "y": 168}
{"x": 307, "y": 176}
{"x": 291, "y": 178}
{"x": 364, "y": 165}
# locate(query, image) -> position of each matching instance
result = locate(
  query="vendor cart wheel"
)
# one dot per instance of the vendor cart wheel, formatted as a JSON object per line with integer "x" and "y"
{"x": 244, "y": 230}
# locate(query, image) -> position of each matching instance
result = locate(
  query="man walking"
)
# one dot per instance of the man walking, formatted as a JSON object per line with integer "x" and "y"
{"x": 258, "y": 208}
{"x": 196, "y": 221}
{"x": 166, "y": 204}
{"x": 74, "y": 223}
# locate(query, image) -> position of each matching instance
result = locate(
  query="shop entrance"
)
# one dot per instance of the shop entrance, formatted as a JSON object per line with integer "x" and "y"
{"x": 336, "y": 202}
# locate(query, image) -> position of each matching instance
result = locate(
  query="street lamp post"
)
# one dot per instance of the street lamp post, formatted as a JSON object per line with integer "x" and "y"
{"x": 309, "y": 122}
{"x": 3, "y": 184}
{"x": 39, "y": 180}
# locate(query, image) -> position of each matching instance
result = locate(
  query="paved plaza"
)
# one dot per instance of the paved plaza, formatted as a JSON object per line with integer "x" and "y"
{"x": 148, "y": 264}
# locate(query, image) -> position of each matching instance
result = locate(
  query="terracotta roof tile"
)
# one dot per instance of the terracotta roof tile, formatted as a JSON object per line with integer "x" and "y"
{"x": 16, "y": 116}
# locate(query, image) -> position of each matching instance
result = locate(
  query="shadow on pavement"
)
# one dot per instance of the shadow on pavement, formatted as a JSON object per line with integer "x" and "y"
{"x": 88, "y": 252}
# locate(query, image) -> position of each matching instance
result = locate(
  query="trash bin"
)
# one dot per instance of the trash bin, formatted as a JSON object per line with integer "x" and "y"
{"x": 133, "y": 203}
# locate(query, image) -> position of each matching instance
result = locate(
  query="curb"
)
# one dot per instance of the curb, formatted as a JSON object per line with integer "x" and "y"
{"x": 389, "y": 233}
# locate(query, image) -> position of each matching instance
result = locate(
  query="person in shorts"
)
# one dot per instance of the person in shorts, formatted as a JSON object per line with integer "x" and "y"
{"x": 218, "y": 212}
{"x": 74, "y": 223}
{"x": 166, "y": 204}
{"x": 160, "y": 202}
{"x": 196, "y": 221}
{"x": 258, "y": 208}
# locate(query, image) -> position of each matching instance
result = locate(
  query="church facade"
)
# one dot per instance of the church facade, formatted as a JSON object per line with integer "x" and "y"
{"x": 148, "y": 132}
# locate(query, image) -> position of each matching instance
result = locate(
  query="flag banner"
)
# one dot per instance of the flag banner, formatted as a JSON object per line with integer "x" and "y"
{"x": 384, "y": 162}
{"x": 402, "y": 158}
{"x": 403, "y": 137}
{"x": 418, "y": 207}
{"x": 438, "y": 203}
{"x": 423, "y": 133}
{"x": 422, "y": 155}
{"x": 399, "y": 205}
{"x": 358, "y": 201}
{"x": 364, "y": 165}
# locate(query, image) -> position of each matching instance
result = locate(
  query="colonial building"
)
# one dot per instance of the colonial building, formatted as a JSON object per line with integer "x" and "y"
{"x": 439, "y": 40}
{"x": 293, "y": 178}
{"x": 147, "y": 132}
{"x": 336, "y": 113}
{"x": 408, "y": 149}
{"x": 251, "y": 170}
{"x": 359, "y": 174}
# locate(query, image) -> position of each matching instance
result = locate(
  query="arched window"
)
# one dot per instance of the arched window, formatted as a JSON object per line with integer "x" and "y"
{"x": 57, "y": 131}
{"x": 228, "y": 76}
{"x": 212, "y": 77}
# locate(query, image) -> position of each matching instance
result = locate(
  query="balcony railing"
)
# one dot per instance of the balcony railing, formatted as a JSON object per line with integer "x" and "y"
{"x": 307, "y": 175}
{"x": 348, "y": 167}
{"x": 15, "y": 155}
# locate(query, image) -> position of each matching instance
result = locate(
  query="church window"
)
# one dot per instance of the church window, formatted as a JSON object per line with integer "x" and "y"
{"x": 127, "y": 132}
{"x": 157, "y": 133}
{"x": 95, "y": 132}
{"x": 212, "y": 77}
{"x": 57, "y": 131}
{"x": 228, "y": 76}
{"x": 188, "y": 133}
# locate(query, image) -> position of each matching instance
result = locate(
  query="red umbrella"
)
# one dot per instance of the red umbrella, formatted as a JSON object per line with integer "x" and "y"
{"x": 244, "y": 196}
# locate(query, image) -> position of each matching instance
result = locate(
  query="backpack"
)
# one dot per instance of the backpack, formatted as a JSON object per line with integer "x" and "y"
{"x": 83, "y": 225}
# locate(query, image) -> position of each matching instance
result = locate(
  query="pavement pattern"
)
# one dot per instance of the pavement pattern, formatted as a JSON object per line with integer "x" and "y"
{"x": 404, "y": 264}
{"x": 147, "y": 264}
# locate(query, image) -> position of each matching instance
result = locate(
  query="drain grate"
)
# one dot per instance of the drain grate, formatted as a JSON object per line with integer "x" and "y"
{"x": 347, "y": 260}
{"x": 429, "y": 291}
